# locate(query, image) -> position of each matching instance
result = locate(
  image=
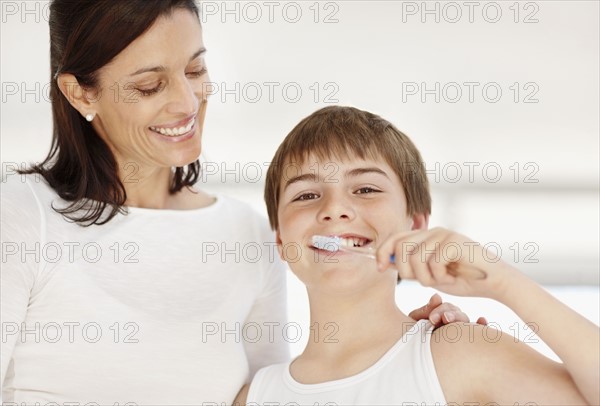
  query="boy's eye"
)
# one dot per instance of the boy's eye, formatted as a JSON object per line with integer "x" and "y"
{"x": 306, "y": 196}
{"x": 367, "y": 189}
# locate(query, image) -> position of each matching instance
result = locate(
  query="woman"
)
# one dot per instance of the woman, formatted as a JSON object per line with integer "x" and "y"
{"x": 123, "y": 283}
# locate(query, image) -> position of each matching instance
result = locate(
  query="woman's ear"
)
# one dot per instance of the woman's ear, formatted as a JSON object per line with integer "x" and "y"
{"x": 82, "y": 100}
{"x": 279, "y": 244}
{"x": 420, "y": 221}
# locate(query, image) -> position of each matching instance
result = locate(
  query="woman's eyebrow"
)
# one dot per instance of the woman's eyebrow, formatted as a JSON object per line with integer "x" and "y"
{"x": 161, "y": 68}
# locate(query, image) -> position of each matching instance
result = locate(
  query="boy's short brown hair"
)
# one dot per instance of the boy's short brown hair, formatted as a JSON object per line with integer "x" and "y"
{"x": 340, "y": 132}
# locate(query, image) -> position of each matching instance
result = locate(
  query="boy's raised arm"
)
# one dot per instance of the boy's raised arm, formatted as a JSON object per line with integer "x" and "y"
{"x": 571, "y": 336}
{"x": 441, "y": 258}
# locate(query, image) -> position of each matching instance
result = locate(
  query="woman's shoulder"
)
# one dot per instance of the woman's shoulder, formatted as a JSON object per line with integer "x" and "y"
{"x": 23, "y": 193}
{"x": 21, "y": 189}
{"x": 22, "y": 215}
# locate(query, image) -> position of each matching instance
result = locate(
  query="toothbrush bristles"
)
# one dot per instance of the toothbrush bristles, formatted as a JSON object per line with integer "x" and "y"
{"x": 326, "y": 243}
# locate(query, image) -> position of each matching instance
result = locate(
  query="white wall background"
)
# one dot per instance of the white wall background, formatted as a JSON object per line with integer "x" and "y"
{"x": 388, "y": 57}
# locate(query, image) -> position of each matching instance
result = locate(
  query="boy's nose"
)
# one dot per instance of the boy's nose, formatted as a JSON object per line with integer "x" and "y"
{"x": 336, "y": 209}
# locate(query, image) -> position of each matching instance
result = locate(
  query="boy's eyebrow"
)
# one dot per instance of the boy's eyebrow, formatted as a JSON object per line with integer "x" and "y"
{"x": 311, "y": 177}
{"x": 162, "y": 68}
{"x": 362, "y": 171}
{"x": 301, "y": 178}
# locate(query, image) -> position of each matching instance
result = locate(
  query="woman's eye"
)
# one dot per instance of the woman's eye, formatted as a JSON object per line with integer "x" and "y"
{"x": 367, "y": 189}
{"x": 160, "y": 86}
{"x": 150, "y": 92}
{"x": 197, "y": 74}
{"x": 306, "y": 196}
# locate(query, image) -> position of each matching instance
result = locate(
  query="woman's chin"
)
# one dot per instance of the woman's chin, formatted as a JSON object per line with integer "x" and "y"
{"x": 184, "y": 156}
{"x": 183, "y": 161}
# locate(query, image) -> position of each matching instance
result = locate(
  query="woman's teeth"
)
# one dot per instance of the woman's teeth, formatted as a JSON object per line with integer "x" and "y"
{"x": 174, "y": 132}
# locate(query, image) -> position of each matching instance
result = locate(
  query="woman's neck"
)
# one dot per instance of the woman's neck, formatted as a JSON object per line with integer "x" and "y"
{"x": 149, "y": 188}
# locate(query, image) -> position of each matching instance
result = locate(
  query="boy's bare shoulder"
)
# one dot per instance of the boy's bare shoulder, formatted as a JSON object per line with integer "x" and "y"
{"x": 457, "y": 343}
{"x": 468, "y": 357}
{"x": 474, "y": 347}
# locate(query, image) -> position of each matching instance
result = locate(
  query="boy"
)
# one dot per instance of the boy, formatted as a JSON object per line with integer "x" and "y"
{"x": 348, "y": 173}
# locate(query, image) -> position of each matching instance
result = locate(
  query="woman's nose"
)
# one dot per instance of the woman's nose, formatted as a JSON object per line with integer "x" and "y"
{"x": 184, "y": 99}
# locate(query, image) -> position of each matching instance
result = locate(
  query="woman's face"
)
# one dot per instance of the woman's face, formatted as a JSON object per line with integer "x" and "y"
{"x": 153, "y": 96}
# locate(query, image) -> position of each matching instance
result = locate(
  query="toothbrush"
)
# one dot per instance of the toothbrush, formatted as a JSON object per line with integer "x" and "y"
{"x": 334, "y": 244}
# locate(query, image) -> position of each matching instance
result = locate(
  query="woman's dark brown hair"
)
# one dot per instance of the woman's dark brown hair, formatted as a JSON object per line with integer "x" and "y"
{"x": 85, "y": 35}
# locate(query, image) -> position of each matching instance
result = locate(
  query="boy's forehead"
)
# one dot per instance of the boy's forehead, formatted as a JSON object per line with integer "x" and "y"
{"x": 330, "y": 166}
{"x": 309, "y": 162}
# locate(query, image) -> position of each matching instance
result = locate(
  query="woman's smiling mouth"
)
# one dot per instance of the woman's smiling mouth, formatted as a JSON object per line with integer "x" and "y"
{"x": 176, "y": 131}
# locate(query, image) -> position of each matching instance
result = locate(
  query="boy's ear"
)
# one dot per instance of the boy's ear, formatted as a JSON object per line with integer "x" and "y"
{"x": 81, "y": 99}
{"x": 420, "y": 221}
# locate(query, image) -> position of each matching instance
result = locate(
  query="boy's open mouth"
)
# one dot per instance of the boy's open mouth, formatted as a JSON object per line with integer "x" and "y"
{"x": 348, "y": 240}
{"x": 354, "y": 241}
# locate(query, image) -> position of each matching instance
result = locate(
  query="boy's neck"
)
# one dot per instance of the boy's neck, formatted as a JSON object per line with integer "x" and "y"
{"x": 349, "y": 333}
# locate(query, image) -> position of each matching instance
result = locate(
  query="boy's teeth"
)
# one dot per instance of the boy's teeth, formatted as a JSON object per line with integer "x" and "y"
{"x": 353, "y": 241}
{"x": 174, "y": 132}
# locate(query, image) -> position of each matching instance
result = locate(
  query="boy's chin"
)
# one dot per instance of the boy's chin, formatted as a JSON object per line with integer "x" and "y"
{"x": 347, "y": 278}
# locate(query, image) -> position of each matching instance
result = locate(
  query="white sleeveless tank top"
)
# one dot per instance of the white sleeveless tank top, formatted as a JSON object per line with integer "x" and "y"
{"x": 405, "y": 375}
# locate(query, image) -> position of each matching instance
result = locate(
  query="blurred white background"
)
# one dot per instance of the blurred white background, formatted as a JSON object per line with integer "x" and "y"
{"x": 502, "y": 99}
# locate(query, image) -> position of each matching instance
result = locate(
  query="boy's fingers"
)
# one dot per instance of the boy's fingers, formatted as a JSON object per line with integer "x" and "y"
{"x": 383, "y": 264}
{"x": 383, "y": 257}
{"x": 405, "y": 271}
{"x": 422, "y": 272}
{"x": 438, "y": 271}
{"x": 482, "y": 321}
{"x": 396, "y": 244}
{"x": 425, "y": 261}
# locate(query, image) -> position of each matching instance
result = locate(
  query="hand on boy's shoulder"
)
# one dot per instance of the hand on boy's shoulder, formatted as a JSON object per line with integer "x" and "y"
{"x": 439, "y": 313}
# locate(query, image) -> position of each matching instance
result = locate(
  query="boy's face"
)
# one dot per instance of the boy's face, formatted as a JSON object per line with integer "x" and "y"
{"x": 361, "y": 200}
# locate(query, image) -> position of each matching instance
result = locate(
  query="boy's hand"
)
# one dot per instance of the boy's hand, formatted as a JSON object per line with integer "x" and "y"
{"x": 447, "y": 261}
{"x": 440, "y": 313}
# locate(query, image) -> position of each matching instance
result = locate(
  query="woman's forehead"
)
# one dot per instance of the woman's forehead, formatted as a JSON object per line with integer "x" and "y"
{"x": 171, "y": 41}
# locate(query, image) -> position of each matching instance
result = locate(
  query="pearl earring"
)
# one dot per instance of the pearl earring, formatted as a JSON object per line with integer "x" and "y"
{"x": 89, "y": 117}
